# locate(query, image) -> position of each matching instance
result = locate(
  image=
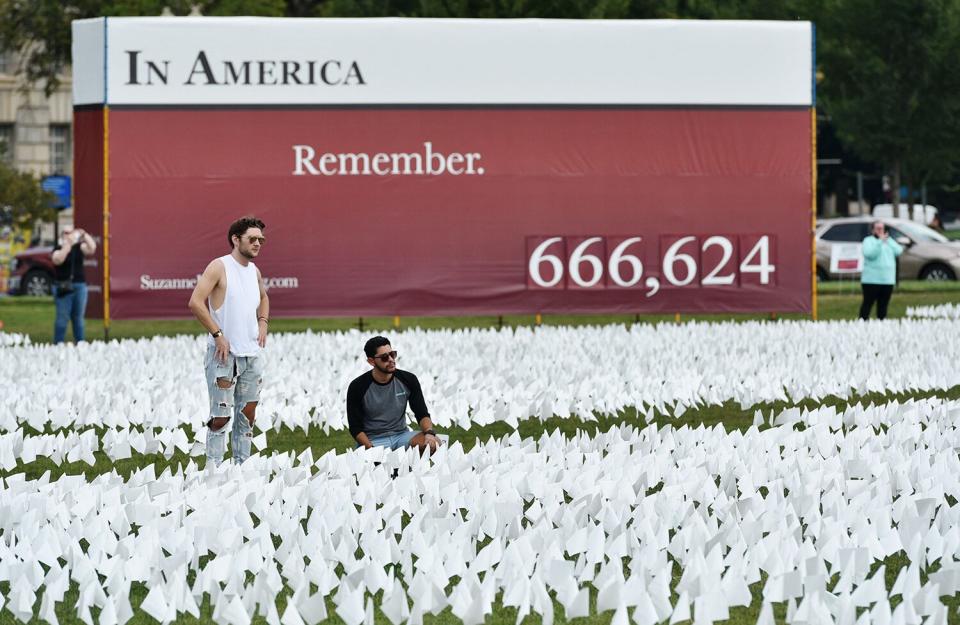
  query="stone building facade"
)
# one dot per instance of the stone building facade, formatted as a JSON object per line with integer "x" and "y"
{"x": 36, "y": 131}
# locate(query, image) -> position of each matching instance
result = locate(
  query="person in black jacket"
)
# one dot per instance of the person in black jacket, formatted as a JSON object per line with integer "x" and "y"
{"x": 377, "y": 403}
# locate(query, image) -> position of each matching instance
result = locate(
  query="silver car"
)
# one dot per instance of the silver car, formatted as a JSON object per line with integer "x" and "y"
{"x": 927, "y": 254}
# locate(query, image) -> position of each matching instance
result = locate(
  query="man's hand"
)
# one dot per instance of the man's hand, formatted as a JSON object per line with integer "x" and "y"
{"x": 432, "y": 441}
{"x": 222, "y": 348}
{"x": 262, "y": 329}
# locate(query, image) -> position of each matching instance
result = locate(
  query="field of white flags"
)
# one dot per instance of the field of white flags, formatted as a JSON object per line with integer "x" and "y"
{"x": 941, "y": 311}
{"x": 8, "y": 339}
{"x": 477, "y": 376}
{"x": 811, "y": 515}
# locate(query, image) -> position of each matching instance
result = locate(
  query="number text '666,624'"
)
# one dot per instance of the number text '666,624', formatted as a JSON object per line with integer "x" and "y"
{"x": 595, "y": 262}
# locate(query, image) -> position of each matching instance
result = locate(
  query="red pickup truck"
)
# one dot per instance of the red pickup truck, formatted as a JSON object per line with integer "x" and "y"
{"x": 31, "y": 272}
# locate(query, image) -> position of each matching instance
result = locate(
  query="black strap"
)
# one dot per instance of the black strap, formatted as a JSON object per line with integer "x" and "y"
{"x": 73, "y": 263}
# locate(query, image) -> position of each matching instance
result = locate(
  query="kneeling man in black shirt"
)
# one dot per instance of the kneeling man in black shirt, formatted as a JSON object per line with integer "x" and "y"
{"x": 377, "y": 403}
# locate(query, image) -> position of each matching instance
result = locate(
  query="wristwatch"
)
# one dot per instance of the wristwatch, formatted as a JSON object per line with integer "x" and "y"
{"x": 217, "y": 334}
{"x": 430, "y": 432}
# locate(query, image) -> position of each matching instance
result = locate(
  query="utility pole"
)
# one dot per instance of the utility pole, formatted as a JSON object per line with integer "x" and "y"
{"x": 860, "y": 192}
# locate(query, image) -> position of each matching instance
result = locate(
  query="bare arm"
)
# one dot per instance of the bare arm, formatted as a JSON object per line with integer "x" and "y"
{"x": 212, "y": 276}
{"x": 426, "y": 430}
{"x": 88, "y": 244}
{"x": 364, "y": 440}
{"x": 263, "y": 313}
{"x": 60, "y": 255}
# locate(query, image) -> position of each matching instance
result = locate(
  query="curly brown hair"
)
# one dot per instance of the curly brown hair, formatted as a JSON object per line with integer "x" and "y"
{"x": 241, "y": 225}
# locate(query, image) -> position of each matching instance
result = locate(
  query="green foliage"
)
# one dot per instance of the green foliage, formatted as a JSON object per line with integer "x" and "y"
{"x": 40, "y": 31}
{"x": 890, "y": 81}
{"x": 561, "y": 9}
{"x": 22, "y": 201}
{"x": 266, "y": 8}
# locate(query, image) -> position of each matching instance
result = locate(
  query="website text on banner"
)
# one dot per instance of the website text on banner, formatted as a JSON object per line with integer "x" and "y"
{"x": 535, "y": 166}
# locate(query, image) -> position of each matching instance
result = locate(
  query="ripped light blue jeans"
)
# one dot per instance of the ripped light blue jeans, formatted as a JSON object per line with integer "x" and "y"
{"x": 245, "y": 374}
{"x": 393, "y": 440}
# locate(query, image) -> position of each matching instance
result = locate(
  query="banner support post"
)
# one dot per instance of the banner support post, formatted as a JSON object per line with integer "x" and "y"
{"x": 106, "y": 222}
{"x": 813, "y": 212}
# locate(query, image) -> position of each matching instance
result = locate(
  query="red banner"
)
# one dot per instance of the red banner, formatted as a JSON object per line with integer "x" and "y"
{"x": 449, "y": 211}
{"x": 88, "y": 134}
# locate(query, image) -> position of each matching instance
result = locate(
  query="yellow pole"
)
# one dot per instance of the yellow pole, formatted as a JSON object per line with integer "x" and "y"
{"x": 538, "y": 319}
{"x": 106, "y": 221}
{"x": 676, "y": 317}
{"x": 813, "y": 211}
{"x": 396, "y": 321}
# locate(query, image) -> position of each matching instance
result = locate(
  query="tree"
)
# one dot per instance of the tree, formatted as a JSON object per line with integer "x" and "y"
{"x": 890, "y": 83}
{"x": 22, "y": 201}
{"x": 557, "y": 9}
{"x": 40, "y": 31}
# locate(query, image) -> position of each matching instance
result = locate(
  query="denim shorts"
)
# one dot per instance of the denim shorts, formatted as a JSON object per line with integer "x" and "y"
{"x": 393, "y": 440}
{"x": 246, "y": 380}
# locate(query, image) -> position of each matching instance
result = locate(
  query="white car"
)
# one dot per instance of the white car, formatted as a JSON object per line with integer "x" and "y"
{"x": 927, "y": 254}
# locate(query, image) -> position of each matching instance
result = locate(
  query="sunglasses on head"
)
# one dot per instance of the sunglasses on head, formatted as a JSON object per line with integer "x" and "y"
{"x": 387, "y": 357}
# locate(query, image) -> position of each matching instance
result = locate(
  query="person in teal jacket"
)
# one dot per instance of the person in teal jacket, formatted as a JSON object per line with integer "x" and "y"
{"x": 879, "y": 270}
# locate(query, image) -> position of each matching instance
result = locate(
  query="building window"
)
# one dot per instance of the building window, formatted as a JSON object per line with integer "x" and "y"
{"x": 853, "y": 232}
{"x": 6, "y": 143}
{"x": 27, "y": 134}
{"x": 59, "y": 148}
{"x": 6, "y": 63}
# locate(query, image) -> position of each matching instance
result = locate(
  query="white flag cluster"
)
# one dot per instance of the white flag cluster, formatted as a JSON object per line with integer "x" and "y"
{"x": 939, "y": 311}
{"x": 476, "y": 377}
{"x": 11, "y": 339}
{"x": 809, "y": 507}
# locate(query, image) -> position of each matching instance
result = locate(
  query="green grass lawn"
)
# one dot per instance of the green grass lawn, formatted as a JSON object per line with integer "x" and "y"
{"x": 846, "y": 287}
{"x": 837, "y": 300}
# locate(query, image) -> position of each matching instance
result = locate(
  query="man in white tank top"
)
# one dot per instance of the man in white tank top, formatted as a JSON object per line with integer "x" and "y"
{"x": 232, "y": 304}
